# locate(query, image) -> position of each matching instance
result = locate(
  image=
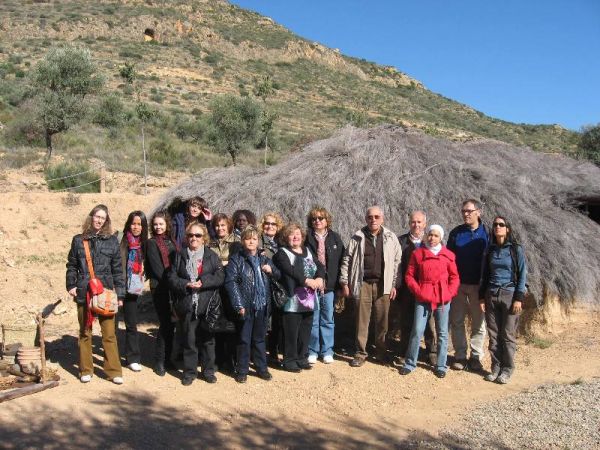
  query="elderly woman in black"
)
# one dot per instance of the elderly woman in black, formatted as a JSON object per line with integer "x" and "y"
{"x": 106, "y": 261}
{"x": 303, "y": 277}
{"x": 160, "y": 254}
{"x": 194, "y": 278}
{"x": 247, "y": 282}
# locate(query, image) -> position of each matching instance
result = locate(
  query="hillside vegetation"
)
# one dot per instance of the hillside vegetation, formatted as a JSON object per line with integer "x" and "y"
{"x": 198, "y": 50}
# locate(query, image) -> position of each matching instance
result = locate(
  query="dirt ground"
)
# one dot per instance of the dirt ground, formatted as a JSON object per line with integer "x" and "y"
{"x": 331, "y": 406}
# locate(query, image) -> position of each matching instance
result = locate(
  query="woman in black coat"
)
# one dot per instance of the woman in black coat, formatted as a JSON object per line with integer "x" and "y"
{"x": 247, "y": 280}
{"x": 160, "y": 254}
{"x": 106, "y": 262}
{"x": 195, "y": 278}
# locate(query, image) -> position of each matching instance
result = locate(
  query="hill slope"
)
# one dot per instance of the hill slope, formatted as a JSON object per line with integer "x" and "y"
{"x": 202, "y": 48}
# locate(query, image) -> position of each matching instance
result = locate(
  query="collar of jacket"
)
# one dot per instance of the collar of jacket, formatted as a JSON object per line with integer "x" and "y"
{"x": 386, "y": 233}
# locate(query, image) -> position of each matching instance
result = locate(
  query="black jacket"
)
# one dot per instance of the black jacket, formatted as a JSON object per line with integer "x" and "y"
{"x": 292, "y": 276}
{"x": 212, "y": 279}
{"x": 153, "y": 265}
{"x": 334, "y": 251}
{"x": 240, "y": 282}
{"x": 106, "y": 260}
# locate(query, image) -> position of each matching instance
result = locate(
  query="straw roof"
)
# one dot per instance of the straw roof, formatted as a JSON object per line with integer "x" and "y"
{"x": 403, "y": 170}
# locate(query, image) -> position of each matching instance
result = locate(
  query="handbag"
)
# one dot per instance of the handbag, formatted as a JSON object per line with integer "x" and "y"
{"x": 135, "y": 284}
{"x": 278, "y": 294}
{"x": 214, "y": 319}
{"x": 100, "y": 301}
{"x": 306, "y": 297}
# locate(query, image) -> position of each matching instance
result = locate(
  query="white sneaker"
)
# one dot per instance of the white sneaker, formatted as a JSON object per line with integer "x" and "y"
{"x": 312, "y": 359}
{"x": 328, "y": 359}
{"x": 85, "y": 378}
{"x": 136, "y": 367}
{"x": 117, "y": 380}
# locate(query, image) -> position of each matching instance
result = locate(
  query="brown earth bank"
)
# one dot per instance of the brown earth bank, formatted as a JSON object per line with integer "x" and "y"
{"x": 331, "y": 406}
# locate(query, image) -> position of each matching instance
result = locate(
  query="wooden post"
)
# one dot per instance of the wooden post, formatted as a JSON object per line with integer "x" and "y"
{"x": 31, "y": 389}
{"x": 40, "y": 320}
{"x": 102, "y": 178}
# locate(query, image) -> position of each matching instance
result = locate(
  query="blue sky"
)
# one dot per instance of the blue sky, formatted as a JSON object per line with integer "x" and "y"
{"x": 530, "y": 61}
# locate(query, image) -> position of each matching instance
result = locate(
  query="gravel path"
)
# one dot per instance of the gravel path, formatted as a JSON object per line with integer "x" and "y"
{"x": 551, "y": 416}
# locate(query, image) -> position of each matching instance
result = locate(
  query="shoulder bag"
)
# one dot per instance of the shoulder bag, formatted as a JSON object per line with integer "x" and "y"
{"x": 100, "y": 301}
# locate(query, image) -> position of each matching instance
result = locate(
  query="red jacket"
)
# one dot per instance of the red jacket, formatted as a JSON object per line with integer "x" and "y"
{"x": 432, "y": 279}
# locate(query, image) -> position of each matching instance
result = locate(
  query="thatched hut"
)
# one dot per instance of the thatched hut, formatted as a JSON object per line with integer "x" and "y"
{"x": 544, "y": 196}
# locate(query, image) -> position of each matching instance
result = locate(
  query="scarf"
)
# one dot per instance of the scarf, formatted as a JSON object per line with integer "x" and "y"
{"x": 270, "y": 243}
{"x": 134, "y": 257}
{"x": 260, "y": 297}
{"x": 321, "y": 248}
{"x": 193, "y": 268}
{"x": 161, "y": 242}
{"x": 435, "y": 249}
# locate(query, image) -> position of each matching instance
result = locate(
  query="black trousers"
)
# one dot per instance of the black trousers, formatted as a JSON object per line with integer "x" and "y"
{"x": 166, "y": 327}
{"x": 132, "y": 342}
{"x": 296, "y": 336}
{"x": 275, "y": 340}
{"x": 251, "y": 334}
{"x": 406, "y": 307}
{"x": 195, "y": 336}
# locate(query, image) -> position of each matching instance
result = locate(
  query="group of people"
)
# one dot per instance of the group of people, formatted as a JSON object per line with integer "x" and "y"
{"x": 231, "y": 292}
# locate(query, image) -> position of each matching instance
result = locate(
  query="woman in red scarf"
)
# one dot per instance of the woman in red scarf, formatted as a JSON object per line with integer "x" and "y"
{"x": 160, "y": 254}
{"x": 133, "y": 249}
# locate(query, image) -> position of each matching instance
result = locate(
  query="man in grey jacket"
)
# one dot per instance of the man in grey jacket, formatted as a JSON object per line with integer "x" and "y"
{"x": 368, "y": 274}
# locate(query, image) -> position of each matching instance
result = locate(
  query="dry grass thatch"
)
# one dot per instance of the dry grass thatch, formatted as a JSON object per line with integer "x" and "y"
{"x": 403, "y": 170}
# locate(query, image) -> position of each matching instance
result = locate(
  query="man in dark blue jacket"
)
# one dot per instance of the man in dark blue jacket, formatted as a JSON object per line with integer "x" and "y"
{"x": 469, "y": 242}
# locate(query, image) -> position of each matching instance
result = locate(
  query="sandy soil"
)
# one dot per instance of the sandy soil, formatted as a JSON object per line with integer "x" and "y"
{"x": 331, "y": 406}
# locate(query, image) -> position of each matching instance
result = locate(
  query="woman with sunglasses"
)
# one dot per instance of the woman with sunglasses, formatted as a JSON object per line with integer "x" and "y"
{"x": 194, "y": 278}
{"x": 270, "y": 225}
{"x": 329, "y": 248}
{"x": 501, "y": 293}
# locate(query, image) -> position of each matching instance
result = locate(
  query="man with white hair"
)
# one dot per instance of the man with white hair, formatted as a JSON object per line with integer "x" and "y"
{"x": 368, "y": 274}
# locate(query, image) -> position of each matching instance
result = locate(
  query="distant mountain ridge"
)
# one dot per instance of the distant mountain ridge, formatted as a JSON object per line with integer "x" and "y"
{"x": 190, "y": 50}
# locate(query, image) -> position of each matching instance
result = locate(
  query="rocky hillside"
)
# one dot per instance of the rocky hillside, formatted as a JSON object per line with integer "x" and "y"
{"x": 187, "y": 51}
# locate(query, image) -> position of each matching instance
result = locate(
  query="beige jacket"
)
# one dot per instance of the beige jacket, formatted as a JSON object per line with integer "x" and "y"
{"x": 351, "y": 272}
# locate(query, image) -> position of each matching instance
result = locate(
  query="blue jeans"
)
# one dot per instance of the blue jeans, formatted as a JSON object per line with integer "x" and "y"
{"x": 321, "y": 335}
{"x": 422, "y": 313}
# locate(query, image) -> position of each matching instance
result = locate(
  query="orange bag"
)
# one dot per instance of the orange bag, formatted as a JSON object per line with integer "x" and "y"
{"x": 100, "y": 301}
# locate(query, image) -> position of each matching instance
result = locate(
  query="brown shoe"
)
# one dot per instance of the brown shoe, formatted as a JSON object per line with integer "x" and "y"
{"x": 357, "y": 362}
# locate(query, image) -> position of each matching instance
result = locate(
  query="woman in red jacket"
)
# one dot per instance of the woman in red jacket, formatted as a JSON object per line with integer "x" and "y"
{"x": 432, "y": 277}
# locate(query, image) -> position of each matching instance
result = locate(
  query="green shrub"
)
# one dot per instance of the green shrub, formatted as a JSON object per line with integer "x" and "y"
{"x": 163, "y": 152}
{"x": 110, "y": 112}
{"x": 18, "y": 158}
{"x": 73, "y": 177}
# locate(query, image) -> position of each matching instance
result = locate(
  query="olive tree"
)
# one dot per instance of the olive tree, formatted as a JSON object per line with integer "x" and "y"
{"x": 233, "y": 124}
{"x": 62, "y": 80}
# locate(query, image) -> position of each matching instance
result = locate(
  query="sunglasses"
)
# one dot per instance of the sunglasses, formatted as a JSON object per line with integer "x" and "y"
{"x": 468, "y": 211}
{"x": 499, "y": 225}
{"x": 315, "y": 219}
{"x": 272, "y": 224}
{"x": 196, "y": 235}
{"x": 374, "y": 217}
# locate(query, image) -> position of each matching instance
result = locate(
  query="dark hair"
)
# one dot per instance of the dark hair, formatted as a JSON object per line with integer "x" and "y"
{"x": 222, "y": 217}
{"x": 316, "y": 211}
{"x": 250, "y": 217}
{"x": 162, "y": 215}
{"x": 200, "y": 203}
{"x": 510, "y": 235}
{"x": 143, "y": 236}
{"x": 106, "y": 229}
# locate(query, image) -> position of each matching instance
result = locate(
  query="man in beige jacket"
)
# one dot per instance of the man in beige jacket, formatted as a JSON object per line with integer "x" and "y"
{"x": 368, "y": 274}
